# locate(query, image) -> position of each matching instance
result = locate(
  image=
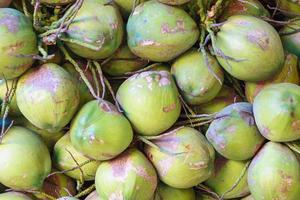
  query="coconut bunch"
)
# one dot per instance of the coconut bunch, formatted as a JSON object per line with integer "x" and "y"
{"x": 149, "y": 100}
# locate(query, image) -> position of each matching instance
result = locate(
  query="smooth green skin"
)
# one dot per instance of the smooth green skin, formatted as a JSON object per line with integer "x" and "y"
{"x": 17, "y": 38}
{"x": 14, "y": 196}
{"x": 13, "y": 107}
{"x": 56, "y": 2}
{"x": 185, "y": 159}
{"x": 174, "y": 2}
{"x": 122, "y": 62}
{"x": 129, "y": 176}
{"x": 95, "y": 23}
{"x": 234, "y": 134}
{"x": 224, "y": 98}
{"x": 274, "y": 173}
{"x": 21, "y": 172}
{"x": 62, "y": 160}
{"x": 84, "y": 92}
{"x": 100, "y": 131}
{"x": 48, "y": 97}
{"x": 249, "y": 7}
{"x": 93, "y": 196}
{"x": 277, "y": 112}
{"x": 254, "y": 43}
{"x": 126, "y": 6}
{"x": 290, "y": 8}
{"x": 165, "y": 192}
{"x": 226, "y": 173}
{"x": 288, "y": 74}
{"x": 150, "y": 101}
{"x": 194, "y": 79}
{"x": 168, "y": 28}
{"x": 4, "y": 3}
{"x": 291, "y": 41}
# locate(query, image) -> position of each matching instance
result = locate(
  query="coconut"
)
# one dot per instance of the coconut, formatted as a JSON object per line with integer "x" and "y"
{"x": 150, "y": 101}
{"x": 224, "y": 98}
{"x": 48, "y": 97}
{"x": 13, "y": 107}
{"x": 14, "y": 196}
{"x": 233, "y": 132}
{"x": 96, "y": 31}
{"x": 291, "y": 38}
{"x": 126, "y": 6}
{"x": 276, "y": 112}
{"x": 183, "y": 159}
{"x": 93, "y": 196}
{"x": 254, "y": 46}
{"x": 18, "y": 42}
{"x": 249, "y": 7}
{"x": 195, "y": 78}
{"x": 229, "y": 178}
{"x": 100, "y": 131}
{"x": 129, "y": 176}
{"x": 154, "y": 26}
{"x": 56, "y": 2}
{"x": 165, "y": 192}
{"x": 288, "y": 74}
{"x": 290, "y": 8}
{"x": 274, "y": 173}
{"x": 21, "y": 172}
{"x": 122, "y": 62}
{"x": 62, "y": 160}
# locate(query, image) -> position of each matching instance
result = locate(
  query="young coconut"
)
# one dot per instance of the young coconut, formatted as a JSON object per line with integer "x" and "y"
{"x": 199, "y": 80}
{"x": 62, "y": 159}
{"x": 4, "y": 3}
{"x": 100, "y": 131}
{"x": 126, "y": 6}
{"x": 224, "y": 98}
{"x": 277, "y": 112}
{"x": 56, "y": 2}
{"x": 123, "y": 61}
{"x": 254, "y": 48}
{"x": 128, "y": 176}
{"x": 25, "y": 160}
{"x": 274, "y": 173}
{"x": 14, "y": 196}
{"x": 93, "y": 196}
{"x": 18, "y": 43}
{"x": 96, "y": 31}
{"x": 48, "y": 97}
{"x": 229, "y": 179}
{"x": 13, "y": 107}
{"x": 168, "y": 28}
{"x": 288, "y": 74}
{"x": 238, "y": 7}
{"x": 233, "y": 132}
{"x": 289, "y": 8}
{"x": 150, "y": 101}
{"x": 165, "y": 192}
{"x": 182, "y": 157}
{"x": 291, "y": 38}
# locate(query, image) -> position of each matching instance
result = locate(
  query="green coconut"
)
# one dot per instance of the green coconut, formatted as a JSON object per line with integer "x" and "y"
{"x": 100, "y": 131}
{"x": 288, "y": 74}
{"x": 126, "y": 6}
{"x": 254, "y": 48}
{"x": 289, "y": 8}
{"x": 18, "y": 42}
{"x": 229, "y": 178}
{"x": 56, "y": 2}
{"x": 93, "y": 196}
{"x": 25, "y": 160}
{"x": 14, "y": 196}
{"x": 234, "y": 134}
{"x": 291, "y": 38}
{"x": 123, "y": 61}
{"x": 48, "y": 97}
{"x": 96, "y": 32}
{"x": 183, "y": 159}
{"x": 225, "y": 97}
{"x": 274, "y": 173}
{"x": 150, "y": 101}
{"x": 129, "y": 176}
{"x": 13, "y": 107}
{"x": 196, "y": 79}
{"x": 277, "y": 112}
{"x": 168, "y": 28}
{"x": 165, "y": 192}
{"x": 4, "y": 3}
{"x": 62, "y": 160}
{"x": 249, "y": 7}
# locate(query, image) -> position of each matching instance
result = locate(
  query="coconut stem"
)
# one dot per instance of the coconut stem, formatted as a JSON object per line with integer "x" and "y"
{"x": 86, "y": 191}
{"x": 184, "y": 104}
{"x": 43, "y": 194}
{"x": 101, "y": 76}
{"x": 95, "y": 78}
{"x": 25, "y": 10}
{"x": 294, "y": 146}
{"x": 144, "y": 69}
{"x": 208, "y": 190}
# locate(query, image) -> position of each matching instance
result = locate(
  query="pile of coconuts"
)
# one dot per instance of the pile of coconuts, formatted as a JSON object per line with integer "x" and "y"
{"x": 149, "y": 99}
